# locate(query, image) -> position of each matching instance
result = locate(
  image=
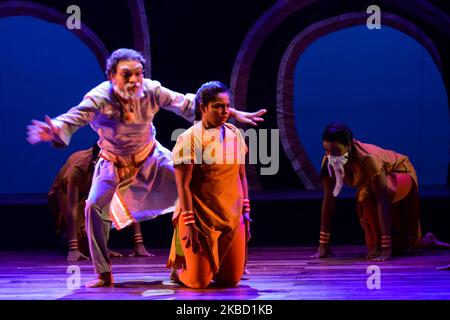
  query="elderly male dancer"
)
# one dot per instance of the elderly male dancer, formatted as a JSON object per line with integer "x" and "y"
{"x": 134, "y": 178}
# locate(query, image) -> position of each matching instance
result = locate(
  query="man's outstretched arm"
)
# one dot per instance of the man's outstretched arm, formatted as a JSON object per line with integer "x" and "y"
{"x": 60, "y": 129}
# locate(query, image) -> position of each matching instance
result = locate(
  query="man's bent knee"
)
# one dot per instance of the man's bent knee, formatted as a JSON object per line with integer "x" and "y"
{"x": 92, "y": 208}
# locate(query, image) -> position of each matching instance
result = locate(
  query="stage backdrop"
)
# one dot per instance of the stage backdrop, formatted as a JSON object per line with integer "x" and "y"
{"x": 44, "y": 68}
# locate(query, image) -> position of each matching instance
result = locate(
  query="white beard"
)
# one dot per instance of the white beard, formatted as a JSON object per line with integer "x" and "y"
{"x": 338, "y": 165}
{"x": 127, "y": 93}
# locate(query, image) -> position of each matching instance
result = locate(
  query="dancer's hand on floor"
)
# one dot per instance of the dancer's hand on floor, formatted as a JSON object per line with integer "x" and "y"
{"x": 323, "y": 252}
{"x": 192, "y": 239}
{"x": 40, "y": 131}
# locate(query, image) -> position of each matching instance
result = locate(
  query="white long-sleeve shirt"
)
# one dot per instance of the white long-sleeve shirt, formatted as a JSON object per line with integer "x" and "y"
{"x": 103, "y": 110}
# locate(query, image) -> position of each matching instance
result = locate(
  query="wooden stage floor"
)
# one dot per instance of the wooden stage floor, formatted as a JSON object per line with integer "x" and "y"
{"x": 275, "y": 273}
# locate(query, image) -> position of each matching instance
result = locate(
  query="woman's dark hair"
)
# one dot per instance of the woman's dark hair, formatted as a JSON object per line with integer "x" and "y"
{"x": 207, "y": 93}
{"x": 119, "y": 55}
{"x": 337, "y": 132}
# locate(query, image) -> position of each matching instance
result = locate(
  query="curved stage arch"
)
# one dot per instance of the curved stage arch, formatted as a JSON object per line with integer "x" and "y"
{"x": 285, "y": 113}
{"x": 283, "y": 10}
{"x": 140, "y": 27}
{"x": 86, "y": 35}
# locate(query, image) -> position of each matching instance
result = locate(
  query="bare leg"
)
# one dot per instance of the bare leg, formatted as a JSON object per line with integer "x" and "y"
{"x": 75, "y": 254}
{"x": 384, "y": 222}
{"x": 139, "y": 247}
{"x": 373, "y": 237}
{"x": 371, "y": 227}
{"x": 386, "y": 240}
{"x": 71, "y": 213}
{"x": 431, "y": 242}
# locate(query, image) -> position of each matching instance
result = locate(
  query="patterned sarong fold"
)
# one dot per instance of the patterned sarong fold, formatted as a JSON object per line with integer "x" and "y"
{"x": 127, "y": 168}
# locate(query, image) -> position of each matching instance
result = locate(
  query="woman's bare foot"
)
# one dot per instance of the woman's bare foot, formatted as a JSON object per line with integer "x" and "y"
{"x": 141, "y": 251}
{"x": 385, "y": 254}
{"x": 115, "y": 254}
{"x": 103, "y": 280}
{"x": 323, "y": 252}
{"x": 375, "y": 252}
{"x": 431, "y": 242}
{"x": 443, "y": 268}
{"x": 75, "y": 255}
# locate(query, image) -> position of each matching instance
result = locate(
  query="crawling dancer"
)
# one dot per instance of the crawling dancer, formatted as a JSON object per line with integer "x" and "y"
{"x": 387, "y": 194}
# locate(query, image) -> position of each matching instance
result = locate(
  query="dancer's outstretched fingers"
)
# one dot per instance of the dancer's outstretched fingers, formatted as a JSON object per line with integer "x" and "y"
{"x": 49, "y": 122}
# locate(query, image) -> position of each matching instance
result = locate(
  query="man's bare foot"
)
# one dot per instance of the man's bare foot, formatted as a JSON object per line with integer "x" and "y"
{"x": 375, "y": 252}
{"x": 140, "y": 251}
{"x": 103, "y": 280}
{"x": 75, "y": 255}
{"x": 115, "y": 254}
{"x": 385, "y": 254}
{"x": 443, "y": 268}
{"x": 323, "y": 252}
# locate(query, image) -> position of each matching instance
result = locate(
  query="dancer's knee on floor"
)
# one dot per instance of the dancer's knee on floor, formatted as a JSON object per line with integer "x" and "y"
{"x": 200, "y": 282}
{"x": 229, "y": 280}
{"x": 196, "y": 278}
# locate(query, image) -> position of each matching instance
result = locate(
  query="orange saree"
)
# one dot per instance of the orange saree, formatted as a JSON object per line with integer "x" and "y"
{"x": 216, "y": 188}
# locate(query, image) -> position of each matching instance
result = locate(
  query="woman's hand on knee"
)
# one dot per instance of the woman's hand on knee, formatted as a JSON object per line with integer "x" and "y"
{"x": 192, "y": 237}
